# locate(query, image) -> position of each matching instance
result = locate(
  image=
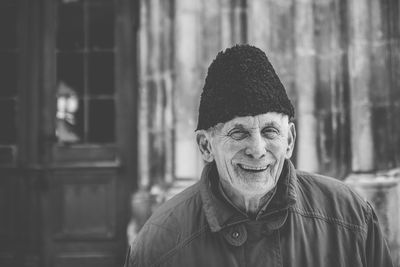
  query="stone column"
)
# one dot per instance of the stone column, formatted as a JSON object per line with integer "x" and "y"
{"x": 360, "y": 75}
{"x": 187, "y": 46}
{"x": 305, "y": 80}
{"x": 155, "y": 144}
{"x": 156, "y": 71}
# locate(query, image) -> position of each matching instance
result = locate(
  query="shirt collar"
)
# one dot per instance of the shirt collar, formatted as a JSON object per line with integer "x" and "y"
{"x": 220, "y": 213}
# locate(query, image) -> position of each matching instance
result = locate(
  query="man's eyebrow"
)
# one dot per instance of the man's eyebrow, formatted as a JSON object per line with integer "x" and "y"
{"x": 236, "y": 125}
{"x": 239, "y": 125}
{"x": 271, "y": 123}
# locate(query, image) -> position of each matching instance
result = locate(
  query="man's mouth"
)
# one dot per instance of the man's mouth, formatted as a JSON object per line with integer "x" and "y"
{"x": 252, "y": 168}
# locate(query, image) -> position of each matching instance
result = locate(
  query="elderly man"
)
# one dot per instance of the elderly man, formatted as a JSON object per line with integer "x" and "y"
{"x": 251, "y": 206}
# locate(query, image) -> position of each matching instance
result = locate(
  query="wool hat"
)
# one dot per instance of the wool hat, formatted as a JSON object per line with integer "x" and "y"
{"x": 241, "y": 82}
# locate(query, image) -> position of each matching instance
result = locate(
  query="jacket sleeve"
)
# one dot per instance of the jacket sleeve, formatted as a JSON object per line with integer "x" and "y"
{"x": 128, "y": 254}
{"x": 377, "y": 251}
{"x": 150, "y": 246}
{"x": 137, "y": 251}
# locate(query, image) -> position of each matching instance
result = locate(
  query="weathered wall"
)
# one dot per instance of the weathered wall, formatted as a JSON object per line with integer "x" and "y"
{"x": 339, "y": 61}
{"x": 373, "y": 62}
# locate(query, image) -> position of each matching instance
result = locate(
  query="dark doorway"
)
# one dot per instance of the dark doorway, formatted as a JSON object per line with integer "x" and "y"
{"x": 68, "y": 135}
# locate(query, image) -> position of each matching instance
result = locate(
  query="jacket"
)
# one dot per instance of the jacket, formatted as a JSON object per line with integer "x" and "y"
{"x": 311, "y": 220}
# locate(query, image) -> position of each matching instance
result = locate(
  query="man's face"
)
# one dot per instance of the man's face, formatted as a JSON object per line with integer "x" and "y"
{"x": 250, "y": 151}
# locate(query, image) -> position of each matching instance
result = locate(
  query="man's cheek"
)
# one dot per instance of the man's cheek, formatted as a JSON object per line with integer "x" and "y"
{"x": 275, "y": 146}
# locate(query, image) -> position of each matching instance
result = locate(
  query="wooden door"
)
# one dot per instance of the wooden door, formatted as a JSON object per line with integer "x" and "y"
{"x": 68, "y": 153}
{"x": 89, "y": 131}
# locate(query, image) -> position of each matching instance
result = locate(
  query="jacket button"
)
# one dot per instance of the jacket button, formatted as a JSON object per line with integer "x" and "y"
{"x": 235, "y": 234}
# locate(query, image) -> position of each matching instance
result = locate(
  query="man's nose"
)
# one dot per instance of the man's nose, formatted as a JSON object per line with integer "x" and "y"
{"x": 256, "y": 147}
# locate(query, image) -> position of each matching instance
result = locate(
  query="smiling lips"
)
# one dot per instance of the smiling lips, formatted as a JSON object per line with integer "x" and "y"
{"x": 252, "y": 168}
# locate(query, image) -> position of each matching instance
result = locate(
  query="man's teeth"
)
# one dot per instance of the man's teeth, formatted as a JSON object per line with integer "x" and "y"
{"x": 252, "y": 168}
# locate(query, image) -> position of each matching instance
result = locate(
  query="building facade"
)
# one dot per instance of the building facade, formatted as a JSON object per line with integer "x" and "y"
{"x": 99, "y": 103}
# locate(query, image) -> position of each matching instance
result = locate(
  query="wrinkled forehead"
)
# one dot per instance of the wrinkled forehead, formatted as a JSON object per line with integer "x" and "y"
{"x": 258, "y": 121}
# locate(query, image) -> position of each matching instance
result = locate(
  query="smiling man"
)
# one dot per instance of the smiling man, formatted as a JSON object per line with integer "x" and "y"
{"x": 249, "y": 153}
{"x": 251, "y": 206}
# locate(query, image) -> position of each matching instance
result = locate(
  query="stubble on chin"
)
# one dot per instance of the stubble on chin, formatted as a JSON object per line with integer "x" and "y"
{"x": 257, "y": 185}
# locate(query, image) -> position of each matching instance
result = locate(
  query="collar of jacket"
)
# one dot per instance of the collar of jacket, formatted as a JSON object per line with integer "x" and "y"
{"x": 220, "y": 214}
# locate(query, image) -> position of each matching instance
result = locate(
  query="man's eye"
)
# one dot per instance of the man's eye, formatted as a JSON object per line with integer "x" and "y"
{"x": 270, "y": 132}
{"x": 238, "y": 135}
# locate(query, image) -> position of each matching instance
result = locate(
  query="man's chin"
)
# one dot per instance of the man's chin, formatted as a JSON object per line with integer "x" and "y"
{"x": 253, "y": 179}
{"x": 256, "y": 189}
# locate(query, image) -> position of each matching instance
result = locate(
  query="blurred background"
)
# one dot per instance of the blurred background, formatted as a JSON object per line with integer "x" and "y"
{"x": 99, "y": 100}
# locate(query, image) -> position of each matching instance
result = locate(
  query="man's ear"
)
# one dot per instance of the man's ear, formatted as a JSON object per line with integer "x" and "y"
{"x": 291, "y": 140}
{"x": 204, "y": 143}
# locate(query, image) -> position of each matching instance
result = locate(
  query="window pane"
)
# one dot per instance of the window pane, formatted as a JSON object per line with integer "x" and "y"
{"x": 101, "y": 26}
{"x": 101, "y": 121}
{"x": 70, "y": 26}
{"x": 101, "y": 73}
{"x": 70, "y": 71}
{"x": 7, "y": 122}
{"x": 8, "y": 77}
{"x": 85, "y": 71}
{"x": 8, "y": 27}
{"x": 70, "y": 122}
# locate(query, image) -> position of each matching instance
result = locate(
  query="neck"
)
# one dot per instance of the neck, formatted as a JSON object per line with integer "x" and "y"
{"x": 249, "y": 204}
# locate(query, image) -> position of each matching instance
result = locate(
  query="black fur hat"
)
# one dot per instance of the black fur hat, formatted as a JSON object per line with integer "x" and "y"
{"x": 241, "y": 82}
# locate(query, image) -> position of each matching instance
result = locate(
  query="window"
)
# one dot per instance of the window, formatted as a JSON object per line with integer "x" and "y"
{"x": 85, "y": 72}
